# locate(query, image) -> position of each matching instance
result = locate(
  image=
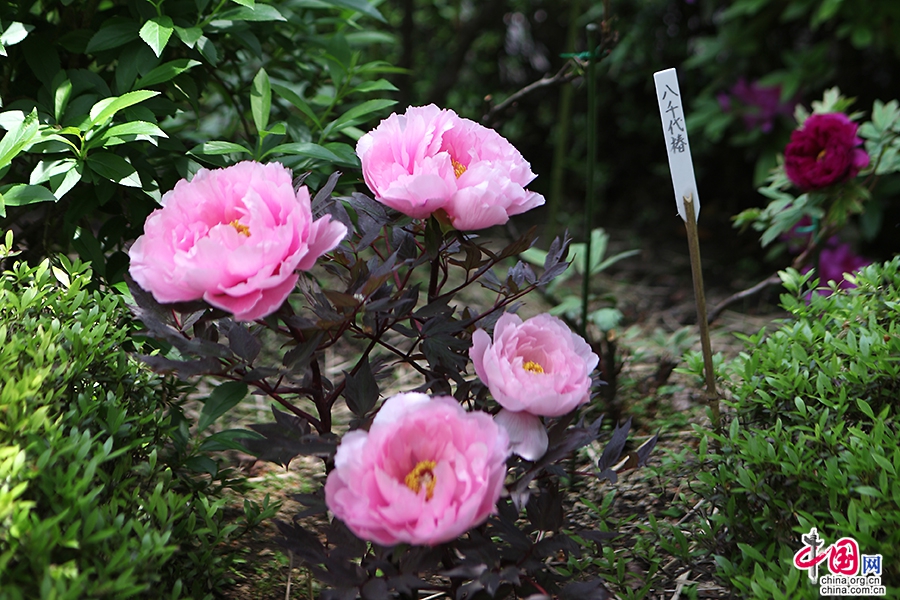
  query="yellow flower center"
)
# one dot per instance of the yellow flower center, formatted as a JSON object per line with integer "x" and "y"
{"x": 819, "y": 157}
{"x": 241, "y": 228}
{"x": 458, "y": 168}
{"x": 533, "y": 367}
{"x": 422, "y": 473}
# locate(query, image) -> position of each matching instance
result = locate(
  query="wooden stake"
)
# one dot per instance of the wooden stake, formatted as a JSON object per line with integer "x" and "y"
{"x": 712, "y": 396}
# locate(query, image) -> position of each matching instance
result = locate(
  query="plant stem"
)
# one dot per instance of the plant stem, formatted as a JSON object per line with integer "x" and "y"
{"x": 591, "y": 159}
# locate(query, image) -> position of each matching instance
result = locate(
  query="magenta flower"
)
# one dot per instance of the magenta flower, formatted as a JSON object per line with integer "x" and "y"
{"x": 429, "y": 159}
{"x": 537, "y": 367}
{"x": 836, "y": 259}
{"x": 425, "y": 472}
{"x": 234, "y": 237}
{"x": 757, "y": 104}
{"x": 824, "y": 151}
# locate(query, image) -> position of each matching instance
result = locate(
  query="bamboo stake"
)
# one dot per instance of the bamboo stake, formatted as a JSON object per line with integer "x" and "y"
{"x": 591, "y": 160}
{"x": 712, "y": 396}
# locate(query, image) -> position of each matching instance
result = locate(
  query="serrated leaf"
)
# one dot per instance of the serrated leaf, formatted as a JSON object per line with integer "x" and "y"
{"x": 189, "y": 35}
{"x": 261, "y": 100}
{"x": 19, "y": 138}
{"x": 220, "y": 401}
{"x": 105, "y": 109}
{"x": 166, "y": 72}
{"x": 258, "y": 12}
{"x": 156, "y": 33}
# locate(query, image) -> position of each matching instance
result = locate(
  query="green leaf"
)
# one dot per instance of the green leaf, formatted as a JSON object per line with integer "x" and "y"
{"x": 359, "y": 6}
{"x": 189, "y": 35}
{"x": 375, "y": 86}
{"x": 15, "y": 33}
{"x": 248, "y": 3}
{"x": 61, "y": 185}
{"x": 867, "y": 490}
{"x": 865, "y": 408}
{"x": 357, "y": 112}
{"x": 115, "y": 168}
{"x": 20, "y": 194}
{"x": 307, "y": 149}
{"x": 297, "y": 101}
{"x": 105, "y": 109}
{"x": 166, "y": 71}
{"x": 61, "y": 174}
{"x": 156, "y": 33}
{"x": 259, "y": 12}
{"x": 223, "y": 398}
{"x": 114, "y": 33}
{"x": 20, "y": 137}
{"x": 62, "y": 90}
{"x": 217, "y": 149}
{"x": 261, "y": 100}
{"x": 130, "y": 132}
{"x": 208, "y": 50}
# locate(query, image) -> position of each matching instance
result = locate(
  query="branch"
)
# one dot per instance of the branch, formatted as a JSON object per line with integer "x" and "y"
{"x": 768, "y": 281}
{"x": 565, "y": 74}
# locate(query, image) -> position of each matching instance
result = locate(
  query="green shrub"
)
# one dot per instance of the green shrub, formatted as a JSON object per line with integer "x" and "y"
{"x": 107, "y": 104}
{"x": 95, "y": 499}
{"x": 815, "y": 437}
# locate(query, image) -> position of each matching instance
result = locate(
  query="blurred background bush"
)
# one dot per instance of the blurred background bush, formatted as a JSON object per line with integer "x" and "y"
{"x": 743, "y": 65}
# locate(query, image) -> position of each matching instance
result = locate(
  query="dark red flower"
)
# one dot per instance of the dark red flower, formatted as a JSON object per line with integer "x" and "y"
{"x": 824, "y": 151}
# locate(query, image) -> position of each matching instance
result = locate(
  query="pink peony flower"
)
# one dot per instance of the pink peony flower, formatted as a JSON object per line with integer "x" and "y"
{"x": 425, "y": 472}
{"x": 824, "y": 152}
{"x": 234, "y": 237}
{"x": 538, "y": 366}
{"x": 429, "y": 159}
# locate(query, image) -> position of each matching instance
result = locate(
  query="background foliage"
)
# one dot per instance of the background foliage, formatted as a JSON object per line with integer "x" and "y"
{"x": 108, "y": 104}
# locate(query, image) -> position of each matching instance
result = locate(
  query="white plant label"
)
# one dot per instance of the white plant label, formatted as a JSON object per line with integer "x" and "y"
{"x": 671, "y": 111}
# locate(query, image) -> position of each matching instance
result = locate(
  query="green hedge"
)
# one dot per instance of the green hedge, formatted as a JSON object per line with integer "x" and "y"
{"x": 815, "y": 437}
{"x": 95, "y": 501}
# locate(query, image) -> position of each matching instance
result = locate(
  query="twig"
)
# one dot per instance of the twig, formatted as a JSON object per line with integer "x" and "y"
{"x": 768, "y": 281}
{"x": 680, "y": 583}
{"x": 565, "y": 74}
{"x": 287, "y": 590}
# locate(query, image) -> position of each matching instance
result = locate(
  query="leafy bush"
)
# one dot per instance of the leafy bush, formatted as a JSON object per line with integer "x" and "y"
{"x": 815, "y": 437}
{"x": 107, "y": 104}
{"x": 96, "y": 497}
